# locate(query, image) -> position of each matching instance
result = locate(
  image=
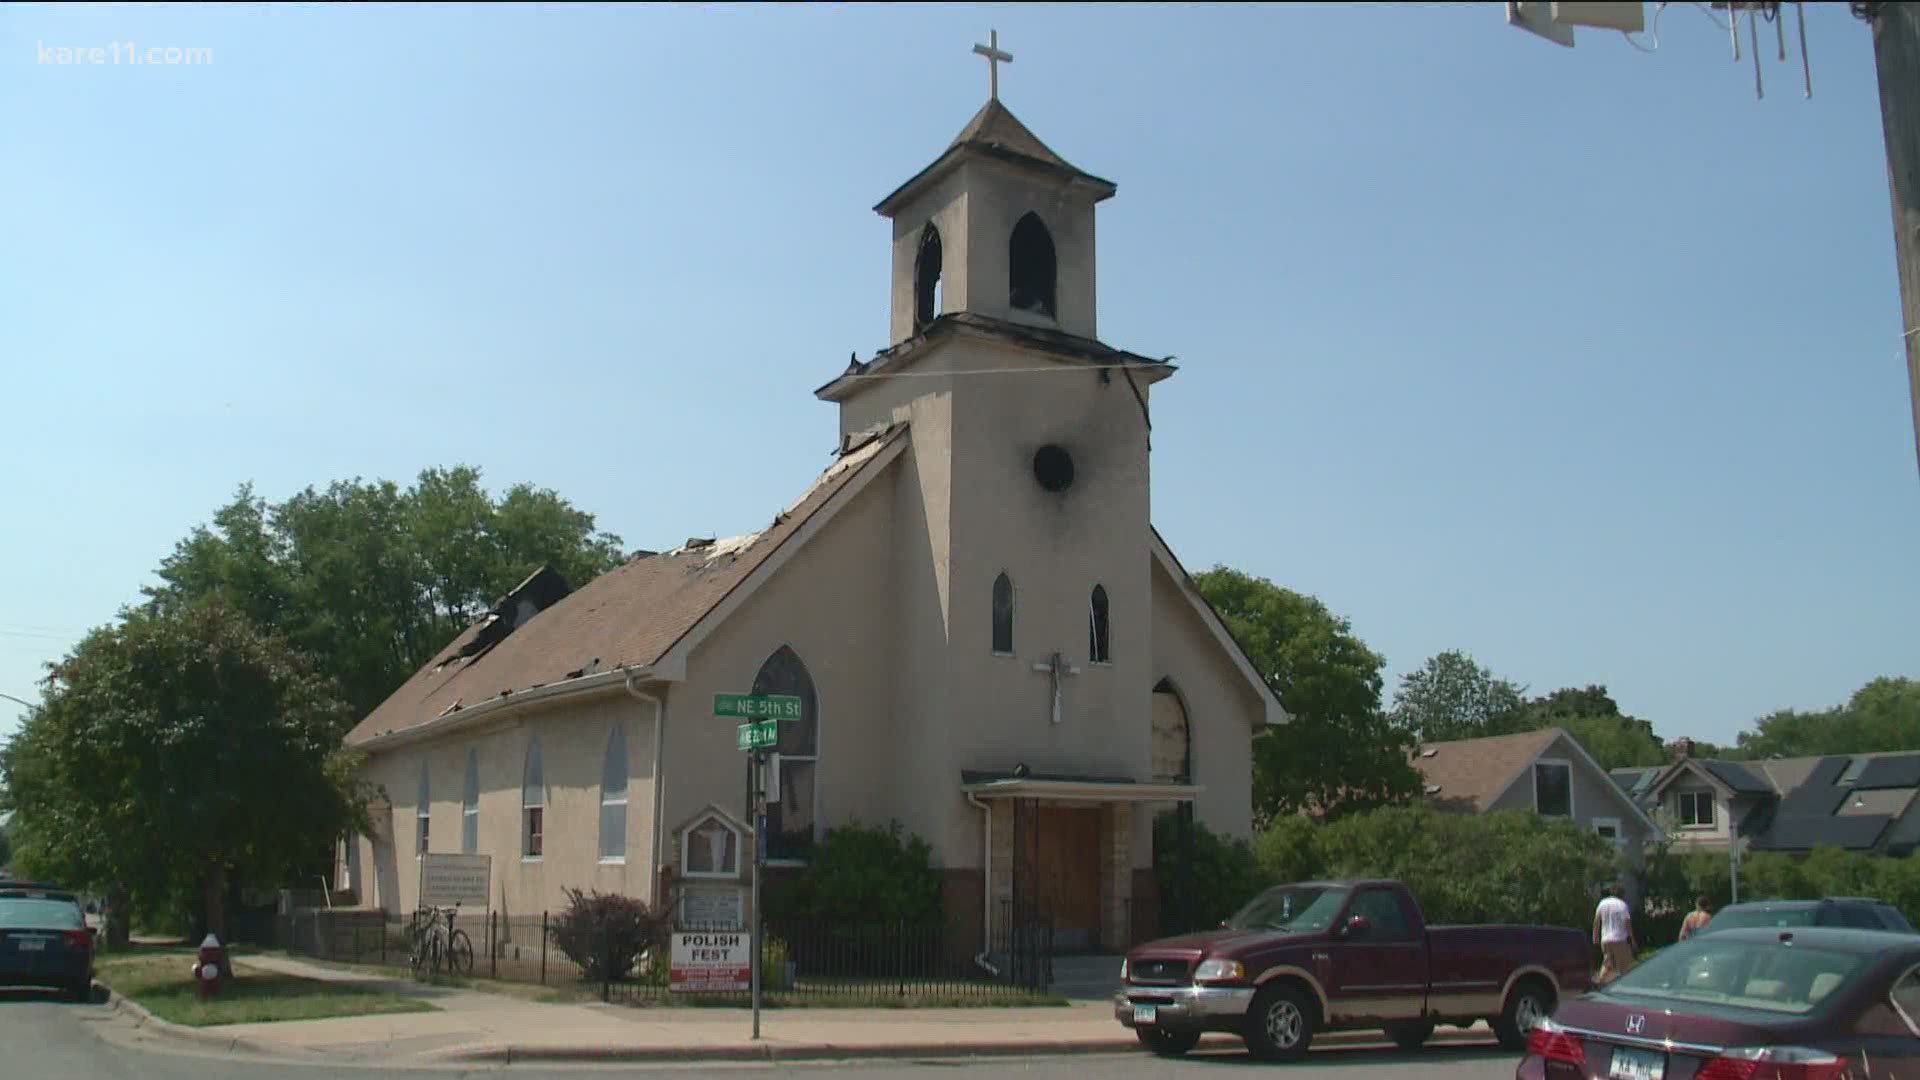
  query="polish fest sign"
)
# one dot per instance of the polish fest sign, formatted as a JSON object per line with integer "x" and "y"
{"x": 711, "y": 961}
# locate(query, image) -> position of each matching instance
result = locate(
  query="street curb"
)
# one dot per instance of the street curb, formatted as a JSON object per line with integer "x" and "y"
{"x": 144, "y": 1018}
{"x": 508, "y": 1054}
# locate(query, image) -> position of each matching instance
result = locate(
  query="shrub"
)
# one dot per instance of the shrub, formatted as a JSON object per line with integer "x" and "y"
{"x": 1203, "y": 878}
{"x": 606, "y": 933}
{"x": 862, "y": 875}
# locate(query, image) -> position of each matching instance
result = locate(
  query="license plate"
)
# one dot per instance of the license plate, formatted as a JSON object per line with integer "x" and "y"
{"x": 1637, "y": 1065}
{"x": 1145, "y": 1014}
{"x": 33, "y": 944}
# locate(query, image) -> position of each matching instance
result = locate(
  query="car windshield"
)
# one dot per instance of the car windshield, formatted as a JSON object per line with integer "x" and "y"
{"x": 1772, "y": 976}
{"x": 1732, "y": 918}
{"x": 21, "y": 913}
{"x": 1291, "y": 907}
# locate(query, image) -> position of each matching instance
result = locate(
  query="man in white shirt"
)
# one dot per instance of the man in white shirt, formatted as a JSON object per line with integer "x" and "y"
{"x": 1613, "y": 932}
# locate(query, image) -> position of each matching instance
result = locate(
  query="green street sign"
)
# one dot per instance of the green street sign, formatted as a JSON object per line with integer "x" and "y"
{"x": 757, "y": 706}
{"x": 759, "y": 734}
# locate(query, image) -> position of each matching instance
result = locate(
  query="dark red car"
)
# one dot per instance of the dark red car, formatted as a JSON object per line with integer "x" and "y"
{"x": 1344, "y": 955}
{"x": 1807, "y": 1003}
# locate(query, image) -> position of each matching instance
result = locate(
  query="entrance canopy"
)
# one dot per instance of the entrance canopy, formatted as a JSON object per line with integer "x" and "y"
{"x": 1021, "y": 784}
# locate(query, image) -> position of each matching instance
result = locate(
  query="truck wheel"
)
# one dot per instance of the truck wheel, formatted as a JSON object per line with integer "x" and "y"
{"x": 1528, "y": 1004}
{"x": 1410, "y": 1036}
{"x": 1279, "y": 1026}
{"x": 81, "y": 992}
{"x": 1167, "y": 1043}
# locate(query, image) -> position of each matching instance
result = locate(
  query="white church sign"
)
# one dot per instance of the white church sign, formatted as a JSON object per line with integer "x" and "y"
{"x": 446, "y": 880}
{"x": 711, "y": 962}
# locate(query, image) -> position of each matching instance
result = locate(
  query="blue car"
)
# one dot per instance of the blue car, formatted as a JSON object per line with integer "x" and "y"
{"x": 44, "y": 940}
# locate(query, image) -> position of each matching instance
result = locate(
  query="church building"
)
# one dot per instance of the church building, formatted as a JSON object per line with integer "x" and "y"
{"x": 990, "y": 642}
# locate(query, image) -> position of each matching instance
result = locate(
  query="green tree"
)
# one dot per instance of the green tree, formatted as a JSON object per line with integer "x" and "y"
{"x": 1452, "y": 697}
{"x": 6, "y": 849}
{"x": 1594, "y": 719}
{"x": 1882, "y": 715}
{"x": 372, "y": 580}
{"x": 1339, "y": 753}
{"x": 178, "y": 754}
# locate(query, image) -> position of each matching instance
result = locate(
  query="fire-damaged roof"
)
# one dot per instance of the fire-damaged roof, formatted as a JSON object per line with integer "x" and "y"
{"x": 630, "y": 616}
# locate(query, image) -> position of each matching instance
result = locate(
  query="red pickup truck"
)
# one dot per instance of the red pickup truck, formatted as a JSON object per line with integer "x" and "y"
{"x": 1340, "y": 956}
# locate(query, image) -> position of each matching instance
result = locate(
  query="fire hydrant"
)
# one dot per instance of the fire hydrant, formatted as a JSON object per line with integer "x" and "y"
{"x": 208, "y": 969}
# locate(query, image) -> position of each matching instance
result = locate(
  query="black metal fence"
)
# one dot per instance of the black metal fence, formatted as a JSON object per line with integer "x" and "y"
{"x": 802, "y": 962}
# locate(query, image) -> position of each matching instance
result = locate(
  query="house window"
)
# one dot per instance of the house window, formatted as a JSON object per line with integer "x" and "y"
{"x": 711, "y": 849}
{"x": 422, "y": 815}
{"x": 1608, "y": 829}
{"x": 533, "y": 806}
{"x": 790, "y": 822}
{"x": 1031, "y": 267}
{"x": 1003, "y": 615}
{"x": 613, "y": 799}
{"x": 1098, "y": 635}
{"x": 470, "y": 806}
{"x": 1694, "y": 809}
{"x": 1553, "y": 788}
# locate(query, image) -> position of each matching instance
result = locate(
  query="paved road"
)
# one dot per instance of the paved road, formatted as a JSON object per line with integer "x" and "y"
{"x": 45, "y": 1039}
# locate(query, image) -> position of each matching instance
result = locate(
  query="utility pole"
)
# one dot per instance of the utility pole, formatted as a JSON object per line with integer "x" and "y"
{"x": 1896, "y": 59}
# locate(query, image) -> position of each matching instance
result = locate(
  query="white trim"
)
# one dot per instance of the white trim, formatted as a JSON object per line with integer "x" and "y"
{"x": 672, "y": 664}
{"x": 1533, "y": 770}
{"x": 1275, "y": 712}
{"x": 440, "y": 725}
{"x": 1693, "y": 766}
{"x": 740, "y": 844}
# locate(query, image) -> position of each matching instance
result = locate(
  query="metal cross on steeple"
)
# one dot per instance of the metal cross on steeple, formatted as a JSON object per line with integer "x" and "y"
{"x": 991, "y": 50}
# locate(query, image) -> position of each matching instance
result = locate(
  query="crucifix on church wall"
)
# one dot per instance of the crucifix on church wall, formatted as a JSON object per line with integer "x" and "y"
{"x": 1056, "y": 667}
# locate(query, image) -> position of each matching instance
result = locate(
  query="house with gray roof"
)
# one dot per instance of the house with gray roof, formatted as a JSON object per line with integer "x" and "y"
{"x": 1856, "y": 802}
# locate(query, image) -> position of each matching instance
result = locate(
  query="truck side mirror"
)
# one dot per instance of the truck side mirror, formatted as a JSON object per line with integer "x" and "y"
{"x": 1358, "y": 924}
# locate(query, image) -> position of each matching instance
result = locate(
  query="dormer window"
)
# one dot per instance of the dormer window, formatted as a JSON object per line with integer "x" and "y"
{"x": 1694, "y": 809}
{"x": 1031, "y": 267}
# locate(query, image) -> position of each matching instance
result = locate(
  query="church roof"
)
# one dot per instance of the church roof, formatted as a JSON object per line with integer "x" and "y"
{"x": 1056, "y": 343}
{"x": 630, "y": 616}
{"x": 995, "y": 132}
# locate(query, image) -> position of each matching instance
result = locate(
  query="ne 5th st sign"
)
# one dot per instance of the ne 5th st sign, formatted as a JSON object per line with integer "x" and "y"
{"x": 757, "y": 706}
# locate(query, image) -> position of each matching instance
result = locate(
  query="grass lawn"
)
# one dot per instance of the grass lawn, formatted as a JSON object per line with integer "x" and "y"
{"x": 162, "y": 981}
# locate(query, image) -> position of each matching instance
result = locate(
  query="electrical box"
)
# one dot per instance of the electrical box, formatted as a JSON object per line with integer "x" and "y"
{"x": 1630, "y": 18}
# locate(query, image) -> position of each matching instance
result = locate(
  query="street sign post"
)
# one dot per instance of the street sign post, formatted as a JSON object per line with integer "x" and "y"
{"x": 760, "y": 733}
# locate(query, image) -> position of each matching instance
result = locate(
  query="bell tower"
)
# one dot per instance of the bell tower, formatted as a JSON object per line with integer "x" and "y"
{"x": 999, "y": 225}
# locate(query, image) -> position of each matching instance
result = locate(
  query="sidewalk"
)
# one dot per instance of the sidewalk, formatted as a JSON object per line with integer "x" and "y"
{"x": 472, "y": 1026}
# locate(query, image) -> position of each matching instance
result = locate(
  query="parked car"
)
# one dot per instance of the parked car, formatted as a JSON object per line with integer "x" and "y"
{"x": 1859, "y": 912}
{"x": 1811, "y": 1003}
{"x": 44, "y": 939}
{"x": 1344, "y": 955}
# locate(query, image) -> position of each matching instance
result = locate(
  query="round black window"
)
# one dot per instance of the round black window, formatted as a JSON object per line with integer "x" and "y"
{"x": 1053, "y": 468}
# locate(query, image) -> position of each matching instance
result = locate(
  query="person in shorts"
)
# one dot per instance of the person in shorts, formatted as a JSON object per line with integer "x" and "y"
{"x": 1613, "y": 932}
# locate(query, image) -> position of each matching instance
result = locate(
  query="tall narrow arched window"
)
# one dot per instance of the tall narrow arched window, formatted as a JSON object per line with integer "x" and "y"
{"x": 926, "y": 279}
{"x": 533, "y": 805}
{"x": 1172, "y": 736}
{"x": 422, "y": 814}
{"x": 470, "y": 807}
{"x": 790, "y": 822}
{"x": 1099, "y": 633}
{"x": 613, "y": 799}
{"x": 1003, "y": 615}
{"x": 1031, "y": 267}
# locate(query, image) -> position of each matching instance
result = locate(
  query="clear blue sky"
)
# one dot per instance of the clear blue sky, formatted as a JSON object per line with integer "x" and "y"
{"x": 1584, "y": 361}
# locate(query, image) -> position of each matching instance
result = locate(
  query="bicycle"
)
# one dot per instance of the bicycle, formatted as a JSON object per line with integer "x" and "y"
{"x": 436, "y": 945}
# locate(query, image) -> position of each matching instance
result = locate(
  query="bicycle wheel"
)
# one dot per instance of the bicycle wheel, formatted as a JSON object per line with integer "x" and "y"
{"x": 460, "y": 953}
